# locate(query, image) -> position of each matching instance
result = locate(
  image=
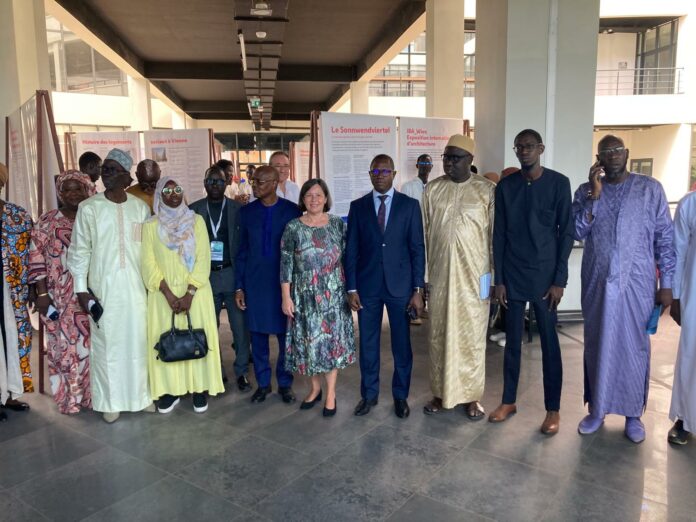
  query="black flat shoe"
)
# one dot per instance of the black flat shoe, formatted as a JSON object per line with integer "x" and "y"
{"x": 363, "y": 407}
{"x": 329, "y": 413}
{"x": 306, "y": 405}
{"x": 260, "y": 394}
{"x": 678, "y": 435}
{"x": 243, "y": 384}
{"x": 16, "y": 405}
{"x": 287, "y": 395}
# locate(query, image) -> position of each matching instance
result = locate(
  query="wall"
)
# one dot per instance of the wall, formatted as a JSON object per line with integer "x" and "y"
{"x": 612, "y": 50}
{"x": 668, "y": 145}
{"x": 91, "y": 109}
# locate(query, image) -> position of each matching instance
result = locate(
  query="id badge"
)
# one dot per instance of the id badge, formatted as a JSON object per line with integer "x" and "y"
{"x": 216, "y": 248}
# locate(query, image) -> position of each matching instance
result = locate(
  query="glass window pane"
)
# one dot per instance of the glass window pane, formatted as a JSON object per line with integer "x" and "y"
{"x": 419, "y": 44}
{"x": 664, "y": 33}
{"x": 78, "y": 63}
{"x": 108, "y": 76}
{"x": 649, "y": 42}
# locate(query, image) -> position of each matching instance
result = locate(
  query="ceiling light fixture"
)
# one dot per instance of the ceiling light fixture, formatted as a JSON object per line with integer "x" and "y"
{"x": 261, "y": 35}
{"x": 261, "y": 9}
{"x": 240, "y": 35}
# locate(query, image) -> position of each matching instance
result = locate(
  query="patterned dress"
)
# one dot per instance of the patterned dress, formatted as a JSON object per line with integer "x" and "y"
{"x": 320, "y": 339}
{"x": 14, "y": 243}
{"x": 68, "y": 337}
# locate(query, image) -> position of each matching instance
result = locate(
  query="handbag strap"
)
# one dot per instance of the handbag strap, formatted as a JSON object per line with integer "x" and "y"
{"x": 188, "y": 320}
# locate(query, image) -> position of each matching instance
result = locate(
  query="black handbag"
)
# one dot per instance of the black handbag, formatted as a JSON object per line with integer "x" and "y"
{"x": 182, "y": 345}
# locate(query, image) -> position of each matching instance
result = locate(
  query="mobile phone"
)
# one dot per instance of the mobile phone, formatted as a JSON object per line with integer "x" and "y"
{"x": 654, "y": 319}
{"x": 412, "y": 313}
{"x": 95, "y": 308}
{"x": 52, "y": 313}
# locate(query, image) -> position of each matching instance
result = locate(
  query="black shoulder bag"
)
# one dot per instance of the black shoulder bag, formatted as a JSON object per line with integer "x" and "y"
{"x": 182, "y": 345}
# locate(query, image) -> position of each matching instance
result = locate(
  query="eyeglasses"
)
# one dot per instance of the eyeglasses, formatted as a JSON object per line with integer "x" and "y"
{"x": 612, "y": 151}
{"x": 214, "y": 182}
{"x": 381, "y": 172}
{"x": 521, "y": 148}
{"x": 424, "y": 164}
{"x": 260, "y": 182}
{"x": 110, "y": 171}
{"x": 454, "y": 158}
{"x": 168, "y": 191}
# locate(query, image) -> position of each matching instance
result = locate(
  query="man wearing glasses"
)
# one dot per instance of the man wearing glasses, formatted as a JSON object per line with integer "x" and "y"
{"x": 221, "y": 216}
{"x": 257, "y": 276}
{"x": 532, "y": 240}
{"x": 287, "y": 188}
{"x": 104, "y": 260}
{"x": 148, "y": 174}
{"x": 624, "y": 220}
{"x": 414, "y": 188}
{"x": 458, "y": 218}
{"x": 384, "y": 265}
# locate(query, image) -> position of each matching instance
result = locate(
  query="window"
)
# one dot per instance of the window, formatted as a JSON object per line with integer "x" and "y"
{"x": 75, "y": 67}
{"x": 656, "y": 52}
{"x": 642, "y": 166}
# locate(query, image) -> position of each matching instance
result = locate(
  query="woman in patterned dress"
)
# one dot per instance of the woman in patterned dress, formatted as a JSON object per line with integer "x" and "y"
{"x": 15, "y": 235}
{"x": 320, "y": 336}
{"x": 67, "y": 336}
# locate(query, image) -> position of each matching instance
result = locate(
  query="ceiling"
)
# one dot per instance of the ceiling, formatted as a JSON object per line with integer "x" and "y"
{"x": 190, "y": 49}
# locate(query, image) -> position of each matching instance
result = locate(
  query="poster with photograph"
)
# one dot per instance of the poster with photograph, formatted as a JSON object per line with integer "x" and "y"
{"x": 183, "y": 155}
{"x": 102, "y": 142}
{"x": 348, "y": 144}
{"x": 300, "y": 161}
{"x": 423, "y": 136}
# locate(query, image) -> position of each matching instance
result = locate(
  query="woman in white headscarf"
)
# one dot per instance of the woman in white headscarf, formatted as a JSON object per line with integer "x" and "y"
{"x": 176, "y": 270}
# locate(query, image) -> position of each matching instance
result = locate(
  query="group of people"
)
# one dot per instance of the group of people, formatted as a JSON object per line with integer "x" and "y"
{"x": 111, "y": 275}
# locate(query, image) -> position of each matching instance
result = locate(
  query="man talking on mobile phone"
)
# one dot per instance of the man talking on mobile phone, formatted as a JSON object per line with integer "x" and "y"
{"x": 624, "y": 220}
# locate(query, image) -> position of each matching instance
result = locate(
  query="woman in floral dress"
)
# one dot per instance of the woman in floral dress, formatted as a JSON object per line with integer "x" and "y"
{"x": 67, "y": 337}
{"x": 320, "y": 336}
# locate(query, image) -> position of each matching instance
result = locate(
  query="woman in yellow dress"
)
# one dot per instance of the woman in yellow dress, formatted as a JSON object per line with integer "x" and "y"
{"x": 176, "y": 268}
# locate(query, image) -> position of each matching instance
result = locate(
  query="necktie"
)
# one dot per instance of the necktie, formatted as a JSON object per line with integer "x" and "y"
{"x": 382, "y": 213}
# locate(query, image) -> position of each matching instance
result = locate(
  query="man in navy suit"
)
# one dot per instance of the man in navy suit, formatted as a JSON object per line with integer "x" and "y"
{"x": 384, "y": 266}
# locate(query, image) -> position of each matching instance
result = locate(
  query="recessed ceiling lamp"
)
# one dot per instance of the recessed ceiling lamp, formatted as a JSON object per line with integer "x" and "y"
{"x": 261, "y": 9}
{"x": 261, "y": 35}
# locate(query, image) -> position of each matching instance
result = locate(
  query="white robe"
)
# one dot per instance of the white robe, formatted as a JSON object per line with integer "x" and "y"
{"x": 105, "y": 255}
{"x": 11, "y": 384}
{"x": 684, "y": 288}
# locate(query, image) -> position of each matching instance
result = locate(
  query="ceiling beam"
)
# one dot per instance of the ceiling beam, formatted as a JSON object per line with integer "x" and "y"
{"x": 245, "y": 116}
{"x": 239, "y": 106}
{"x": 233, "y": 71}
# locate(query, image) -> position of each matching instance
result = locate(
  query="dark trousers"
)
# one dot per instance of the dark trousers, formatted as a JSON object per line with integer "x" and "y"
{"x": 222, "y": 283}
{"x": 550, "y": 352}
{"x": 260, "y": 351}
{"x": 370, "y": 324}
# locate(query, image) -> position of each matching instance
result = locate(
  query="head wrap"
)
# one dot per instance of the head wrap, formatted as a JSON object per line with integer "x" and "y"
{"x": 4, "y": 174}
{"x": 462, "y": 142}
{"x": 77, "y": 176}
{"x": 176, "y": 226}
{"x": 121, "y": 157}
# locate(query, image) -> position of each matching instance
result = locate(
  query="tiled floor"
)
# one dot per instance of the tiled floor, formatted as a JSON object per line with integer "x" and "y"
{"x": 273, "y": 462}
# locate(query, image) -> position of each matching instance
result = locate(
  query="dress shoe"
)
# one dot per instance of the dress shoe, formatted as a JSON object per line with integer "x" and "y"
{"x": 306, "y": 405}
{"x": 678, "y": 435}
{"x": 634, "y": 430}
{"x": 287, "y": 395}
{"x": 363, "y": 407}
{"x": 401, "y": 408}
{"x": 590, "y": 424}
{"x": 260, "y": 394}
{"x": 3, "y": 416}
{"x": 15, "y": 405}
{"x": 551, "y": 423}
{"x": 502, "y": 413}
{"x": 111, "y": 417}
{"x": 243, "y": 383}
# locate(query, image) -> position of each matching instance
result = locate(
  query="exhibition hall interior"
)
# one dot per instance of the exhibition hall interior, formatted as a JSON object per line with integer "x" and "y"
{"x": 220, "y": 100}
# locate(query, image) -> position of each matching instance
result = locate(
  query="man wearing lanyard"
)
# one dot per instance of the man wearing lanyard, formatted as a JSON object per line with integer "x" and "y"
{"x": 221, "y": 215}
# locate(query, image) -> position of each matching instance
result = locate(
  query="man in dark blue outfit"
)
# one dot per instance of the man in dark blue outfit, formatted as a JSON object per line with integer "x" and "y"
{"x": 385, "y": 265}
{"x": 257, "y": 276}
{"x": 532, "y": 239}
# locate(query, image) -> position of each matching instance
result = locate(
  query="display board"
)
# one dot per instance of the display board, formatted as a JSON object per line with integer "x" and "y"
{"x": 423, "y": 136}
{"x": 184, "y": 155}
{"x": 347, "y": 145}
{"x": 299, "y": 152}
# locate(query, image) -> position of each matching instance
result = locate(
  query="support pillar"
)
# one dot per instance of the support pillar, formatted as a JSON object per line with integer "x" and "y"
{"x": 444, "y": 48}
{"x": 23, "y": 56}
{"x": 141, "y": 106}
{"x": 360, "y": 97}
{"x": 536, "y": 64}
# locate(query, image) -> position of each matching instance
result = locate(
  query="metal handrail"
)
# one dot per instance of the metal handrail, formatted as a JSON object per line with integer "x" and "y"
{"x": 639, "y": 81}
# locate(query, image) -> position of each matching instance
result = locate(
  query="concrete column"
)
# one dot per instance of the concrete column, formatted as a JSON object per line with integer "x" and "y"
{"x": 444, "y": 48}
{"x": 360, "y": 97}
{"x": 141, "y": 107}
{"x": 23, "y": 56}
{"x": 536, "y": 64}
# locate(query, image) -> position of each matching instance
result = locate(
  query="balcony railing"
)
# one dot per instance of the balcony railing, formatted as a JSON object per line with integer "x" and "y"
{"x": 409, "y": 86}
{"x": 629, "y": 82}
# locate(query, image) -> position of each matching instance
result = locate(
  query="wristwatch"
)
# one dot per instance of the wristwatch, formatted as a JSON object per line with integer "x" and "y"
{"x": 191, "y": 291}
{"x": 418, "y": 290}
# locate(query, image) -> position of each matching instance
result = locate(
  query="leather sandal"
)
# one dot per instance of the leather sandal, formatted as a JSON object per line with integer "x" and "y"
{"x": 474, "y": 411}
{"x": 433, "y": 407}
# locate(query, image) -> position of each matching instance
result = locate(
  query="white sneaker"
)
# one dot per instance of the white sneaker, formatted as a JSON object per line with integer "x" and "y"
{"x": 111, "y": 417}
{"x": 501, "y": 343}
{"x": 497, "y": 337}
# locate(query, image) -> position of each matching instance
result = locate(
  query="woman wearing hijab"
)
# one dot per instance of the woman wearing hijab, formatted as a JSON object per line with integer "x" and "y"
{"x": 15, "y": 328}
{"x": 176, "y": 270}
{"x": 68, "y": 332}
